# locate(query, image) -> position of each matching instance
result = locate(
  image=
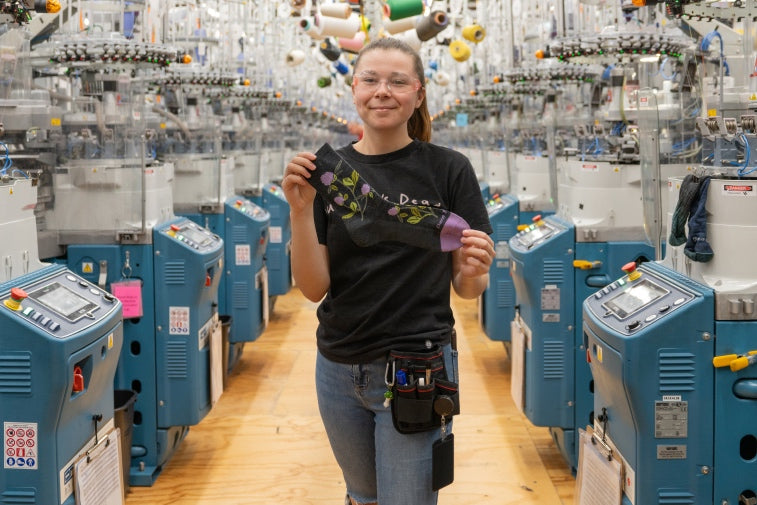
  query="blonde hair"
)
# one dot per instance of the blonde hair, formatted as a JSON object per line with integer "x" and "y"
{"x": 419, "y": 124}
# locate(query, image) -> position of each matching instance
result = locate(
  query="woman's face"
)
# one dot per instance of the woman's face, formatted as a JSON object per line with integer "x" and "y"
{"x": 386, "y": 89}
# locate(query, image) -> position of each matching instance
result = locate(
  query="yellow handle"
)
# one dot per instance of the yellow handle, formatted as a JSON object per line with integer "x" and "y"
{"x": 724, "y": 360}
{"x": 586, "y": 264}
{"x": 739, "y": 364}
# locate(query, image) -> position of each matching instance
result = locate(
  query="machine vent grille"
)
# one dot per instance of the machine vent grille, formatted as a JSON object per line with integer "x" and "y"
{"x": 553, "y": 272}
{"x": 16, "y": 373}
{"x": 676, "y": 371}
{"x": 504, "y": 232}
{"x": 505, "y": 294}
{"x": 241, "y": 295}
{"x": 675, "y": 498}
{"x": 174, "y": 272}
{"x": 177, "y": 359}
{"x": 239, "y": 235}
{"x": 19, "y": 496}
{"x": 554, "y": 359}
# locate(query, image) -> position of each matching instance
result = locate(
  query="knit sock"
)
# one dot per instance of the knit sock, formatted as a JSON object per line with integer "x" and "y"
{"x": 697, "y": 248}
{"x": 689, "y": 189}
{"x": 370, "y": 219}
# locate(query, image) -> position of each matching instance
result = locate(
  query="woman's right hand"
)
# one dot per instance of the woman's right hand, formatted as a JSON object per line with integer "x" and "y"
{"x": 297, "y": 190}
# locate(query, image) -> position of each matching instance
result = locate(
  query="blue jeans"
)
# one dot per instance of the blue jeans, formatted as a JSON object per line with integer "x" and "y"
{"x": 379, "y": 463}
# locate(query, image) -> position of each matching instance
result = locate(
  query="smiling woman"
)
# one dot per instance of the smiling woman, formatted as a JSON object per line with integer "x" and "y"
{"x": 383, "y": 274}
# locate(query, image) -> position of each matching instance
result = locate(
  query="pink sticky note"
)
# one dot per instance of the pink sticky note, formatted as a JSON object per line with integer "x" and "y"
{"x": 130, "y": 295}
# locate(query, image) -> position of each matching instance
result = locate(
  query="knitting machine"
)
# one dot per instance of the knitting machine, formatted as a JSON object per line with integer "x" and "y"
{"x": 203, "y": 191}
{"x": 562, "y": 258}
{"x": 60, "y": 339}
{"x": 679, "y": 426}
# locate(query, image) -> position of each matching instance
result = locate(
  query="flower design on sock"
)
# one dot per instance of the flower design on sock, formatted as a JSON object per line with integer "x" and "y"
{"x": 355, "y": 201}
{"x": 327, "y": 178}
{"x": 412, "y": 214}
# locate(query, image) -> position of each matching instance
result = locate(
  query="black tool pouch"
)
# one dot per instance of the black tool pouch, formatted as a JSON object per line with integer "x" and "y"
{"x": 426, "y": 383}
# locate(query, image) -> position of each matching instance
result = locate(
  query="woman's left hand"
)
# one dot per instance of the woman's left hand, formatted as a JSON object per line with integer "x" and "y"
{"x": 476, "y": 254}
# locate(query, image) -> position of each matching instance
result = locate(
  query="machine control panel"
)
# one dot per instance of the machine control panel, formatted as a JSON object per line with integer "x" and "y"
{"x": 494, "y": 204}
{"x": 248, "y": 208}
{"x": 275, "y": 190}
{"x": 61, "y": 305}
{"x": 193, "y": 235}
{"x": 630, "y": 305}
{"x": 535, "y": 234}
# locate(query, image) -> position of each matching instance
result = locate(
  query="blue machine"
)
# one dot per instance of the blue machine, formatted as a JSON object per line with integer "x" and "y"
{"x": 60, "y": 339}
{"x": 485, "y": 190}
{"x": 278, "y": 253}
{"x": 243, "y": 293}
{"x": 550, "y": 271}
{"x": 167, "y": 350}
{"x": 498, "y": 300}
{"x": 651, "y": 338}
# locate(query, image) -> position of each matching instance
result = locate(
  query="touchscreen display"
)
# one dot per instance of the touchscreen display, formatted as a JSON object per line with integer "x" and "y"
{"x": 635, "y": 298}
{"x": 63, "y": 301}
{"x": 195, "y": 235}
{"x": 533, "y": 236}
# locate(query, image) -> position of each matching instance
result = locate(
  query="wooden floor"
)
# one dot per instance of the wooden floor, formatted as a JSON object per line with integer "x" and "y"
{"x": 264, "y": 443}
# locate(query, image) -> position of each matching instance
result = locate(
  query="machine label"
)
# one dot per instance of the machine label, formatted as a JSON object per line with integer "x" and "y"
{"x": 671, "y": 452}
{"x": 739, "y": 190}
{"x": 178, "y": 320}
{"x": 502, "y": 250}
{"x": 275, "y": 234}
{"x": 87, "y": 267}
{"x": 550, "y": 298}
{"x": 589, "y": 168}
{"x": 20, "y": 446}
{"x": 671, "y": 419}
{"x": 242, "y": 254}
{"x": 550, "y": 317}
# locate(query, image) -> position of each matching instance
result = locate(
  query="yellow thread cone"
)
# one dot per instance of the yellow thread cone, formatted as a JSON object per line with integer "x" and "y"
{"x": 459, "y": 50}
{"x": 474, "y": 33}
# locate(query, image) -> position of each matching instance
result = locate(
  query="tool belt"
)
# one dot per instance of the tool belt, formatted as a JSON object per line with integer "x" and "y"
{"x": 418, "y": 382}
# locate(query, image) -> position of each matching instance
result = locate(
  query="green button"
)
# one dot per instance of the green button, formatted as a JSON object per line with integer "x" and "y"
{"x": 27, "y": 311}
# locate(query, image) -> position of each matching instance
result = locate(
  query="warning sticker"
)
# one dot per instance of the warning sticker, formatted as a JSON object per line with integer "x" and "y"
{"x": 671, "y": 452}
{"x": 20, "y": 446}
{"x": 739, "y": 190}
{"x": 242, "y": 254}
{"x": 178, "y": 320}
{"x": 275, "y": 234}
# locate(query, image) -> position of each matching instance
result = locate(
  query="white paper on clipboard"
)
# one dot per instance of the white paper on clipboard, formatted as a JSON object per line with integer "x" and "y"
{"x": 97, "y": 474}
{"x": 599, "y": 479}
{"x": 216, "y": 361}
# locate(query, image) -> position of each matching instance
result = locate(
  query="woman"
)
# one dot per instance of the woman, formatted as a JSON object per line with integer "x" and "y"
{"x": 390, "y": 295}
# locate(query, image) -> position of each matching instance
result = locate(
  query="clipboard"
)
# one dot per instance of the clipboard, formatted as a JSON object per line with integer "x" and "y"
{"x": 97, "y": 474}
{"x": 599, "y": 480}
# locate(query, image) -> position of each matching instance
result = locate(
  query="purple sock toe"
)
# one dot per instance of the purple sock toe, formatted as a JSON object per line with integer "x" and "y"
{"x": 452, "y": 232}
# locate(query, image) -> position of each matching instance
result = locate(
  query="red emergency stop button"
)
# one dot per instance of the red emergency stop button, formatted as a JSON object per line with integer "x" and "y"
{"x": 78, "y": 380}
{"x": 630, "y": 269}
{"x": 208, "y": 280}
{"x": 17, "y": 296}
{"x": 239, "y": 203}
{"x": 175, "y": 227}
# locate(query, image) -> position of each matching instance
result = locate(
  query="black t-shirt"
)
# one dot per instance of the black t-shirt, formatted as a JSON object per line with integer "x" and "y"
{"x": 392, "y": 295}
